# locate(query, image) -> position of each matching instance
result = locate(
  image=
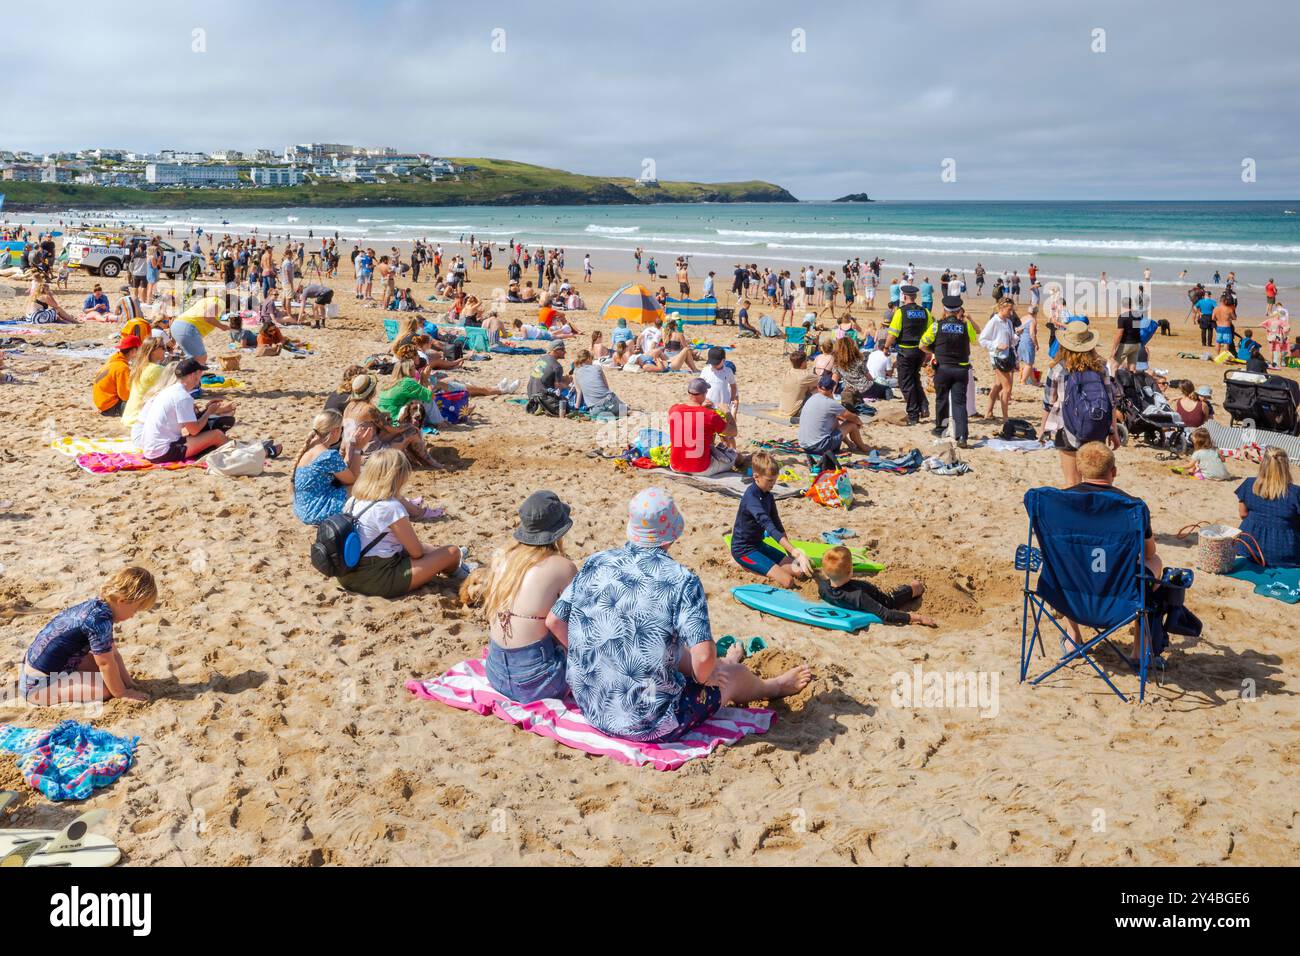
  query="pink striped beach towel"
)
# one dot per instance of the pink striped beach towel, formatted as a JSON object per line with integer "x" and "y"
{"x": 466, "y": 687}
{"x": 111, "y": 463}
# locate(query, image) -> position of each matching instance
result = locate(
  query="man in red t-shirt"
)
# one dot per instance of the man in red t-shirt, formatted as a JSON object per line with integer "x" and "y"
{"x": 692, "y": 428}
{"x": 1270, "y": 295}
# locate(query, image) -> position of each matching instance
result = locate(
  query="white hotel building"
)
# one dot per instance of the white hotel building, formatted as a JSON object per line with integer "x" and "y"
{"x": 178, "y": 174}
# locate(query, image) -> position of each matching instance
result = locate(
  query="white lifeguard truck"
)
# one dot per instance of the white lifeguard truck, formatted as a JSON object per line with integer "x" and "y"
{"x": 106, "y": 252}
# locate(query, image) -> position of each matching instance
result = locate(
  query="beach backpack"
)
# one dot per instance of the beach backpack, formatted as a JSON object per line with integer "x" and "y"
{"x": 832, "y": 489}
{"x": 1086, "y": 409}
{"x": 337, "y": 548}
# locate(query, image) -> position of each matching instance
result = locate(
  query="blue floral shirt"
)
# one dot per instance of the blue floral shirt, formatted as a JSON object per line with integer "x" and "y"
{"x": 316, "y": 495}
{"x": 630, "y": 611}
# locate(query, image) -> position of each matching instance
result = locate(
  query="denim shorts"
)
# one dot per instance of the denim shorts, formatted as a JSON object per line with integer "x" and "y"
{"x": 526, "y": 674}
{"x": 189, "y": 340}
{"x": 828, "y": 445}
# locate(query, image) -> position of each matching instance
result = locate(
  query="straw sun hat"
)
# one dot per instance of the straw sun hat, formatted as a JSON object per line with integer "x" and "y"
{"x": 1078, "y": 337}
{"x": 363, "y": 386}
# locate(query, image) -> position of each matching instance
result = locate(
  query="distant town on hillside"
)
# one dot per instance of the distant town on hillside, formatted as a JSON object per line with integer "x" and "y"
{"x": 227, "y": 168}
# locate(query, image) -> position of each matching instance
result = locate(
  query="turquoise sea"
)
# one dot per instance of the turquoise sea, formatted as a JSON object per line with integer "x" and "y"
{"x": 1257, "y": 240}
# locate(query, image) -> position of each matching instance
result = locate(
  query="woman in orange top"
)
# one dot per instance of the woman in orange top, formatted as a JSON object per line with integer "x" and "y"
{"x": 270, "y": 339}
{"x": 112, "y": 386}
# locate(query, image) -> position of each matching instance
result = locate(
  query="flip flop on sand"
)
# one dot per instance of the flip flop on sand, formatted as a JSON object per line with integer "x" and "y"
{"x": 425, "y": 512}
{"x": 74, "y": 845}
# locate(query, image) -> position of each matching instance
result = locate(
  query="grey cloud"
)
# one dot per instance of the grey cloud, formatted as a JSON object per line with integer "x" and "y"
{"x": 711, "y": 91}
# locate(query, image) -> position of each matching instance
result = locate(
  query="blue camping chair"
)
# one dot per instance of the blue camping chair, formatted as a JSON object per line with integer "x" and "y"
{"x": 794, "y": 335}
{"x": 1091, "y": 568}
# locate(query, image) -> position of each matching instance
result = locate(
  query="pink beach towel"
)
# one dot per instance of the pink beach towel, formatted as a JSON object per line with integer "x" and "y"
{"x": 466, "y": 687}
{"x": 106, "y": 463}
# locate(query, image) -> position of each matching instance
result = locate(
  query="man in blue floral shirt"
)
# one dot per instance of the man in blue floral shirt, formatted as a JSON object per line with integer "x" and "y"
{"x": 641, "y": 660}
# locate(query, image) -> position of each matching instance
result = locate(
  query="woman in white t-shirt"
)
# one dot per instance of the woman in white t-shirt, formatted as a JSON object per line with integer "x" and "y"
{"x": 394, "y": 561}
{"x": 649, "y": 338}
{"x": 999, "y": 337}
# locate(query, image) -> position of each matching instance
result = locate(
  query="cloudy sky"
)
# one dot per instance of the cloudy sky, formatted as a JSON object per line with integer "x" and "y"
{"x": 1014, "y": 93}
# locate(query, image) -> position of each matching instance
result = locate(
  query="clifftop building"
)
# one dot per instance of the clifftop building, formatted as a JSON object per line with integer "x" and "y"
{"x": 178, "y": 174}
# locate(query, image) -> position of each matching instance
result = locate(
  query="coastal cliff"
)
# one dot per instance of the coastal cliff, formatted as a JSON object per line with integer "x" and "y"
{"x": 488, "y": 182}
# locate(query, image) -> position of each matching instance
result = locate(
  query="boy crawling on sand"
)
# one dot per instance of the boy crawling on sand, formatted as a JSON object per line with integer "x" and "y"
{"x": 78, "y": 643}
{"x": 837, "y": 587}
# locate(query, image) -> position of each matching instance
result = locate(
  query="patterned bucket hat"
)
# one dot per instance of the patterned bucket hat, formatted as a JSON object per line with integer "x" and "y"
{"x": 653, "y": 519}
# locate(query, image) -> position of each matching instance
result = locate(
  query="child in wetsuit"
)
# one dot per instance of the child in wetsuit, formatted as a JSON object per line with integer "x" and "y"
{"x": 77, "y": 646}
{"x": 837, "y": 587}
{"x": 756, "y": 520}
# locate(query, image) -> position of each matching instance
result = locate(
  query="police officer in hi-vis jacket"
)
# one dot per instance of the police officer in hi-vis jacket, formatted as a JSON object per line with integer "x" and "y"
{"x": 949, "y": 339}
{"x": 909, "y": 323}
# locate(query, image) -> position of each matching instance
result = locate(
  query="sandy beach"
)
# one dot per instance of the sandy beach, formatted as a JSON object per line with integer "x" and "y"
{"x": 280, "y": 731}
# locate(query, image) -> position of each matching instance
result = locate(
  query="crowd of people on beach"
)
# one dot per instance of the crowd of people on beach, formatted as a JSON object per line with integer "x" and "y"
{"x": 627, "y": 630}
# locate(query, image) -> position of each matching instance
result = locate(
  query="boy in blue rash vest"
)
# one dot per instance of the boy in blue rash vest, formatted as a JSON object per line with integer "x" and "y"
{"x": 77, "y": 646}
{"x": 756, "y": 519}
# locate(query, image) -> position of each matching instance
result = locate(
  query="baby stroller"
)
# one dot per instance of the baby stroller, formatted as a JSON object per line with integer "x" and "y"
{"x": 1259, "y": 400}
{"x": 1148, "y": 416}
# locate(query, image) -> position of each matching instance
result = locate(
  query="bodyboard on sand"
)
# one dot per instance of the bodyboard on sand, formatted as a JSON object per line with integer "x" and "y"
{"x": 790, "y": 606}
{"x": 817, "y": 549}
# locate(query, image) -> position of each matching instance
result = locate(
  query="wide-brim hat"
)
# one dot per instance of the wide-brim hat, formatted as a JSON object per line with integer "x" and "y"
{"x": 1078, "y": 337}
{"x": 363, "y": 386}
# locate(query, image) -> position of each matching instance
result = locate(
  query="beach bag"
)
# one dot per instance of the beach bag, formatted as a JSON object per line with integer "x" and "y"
{"x": 1018, "y": 429}
{"x": 1216, "y": 546}
{"x": 832, "y": 489}
{"x": 451, "y": 405}
{"x": 548, "y": 403}
{"x": 337, "y": 548}
{"x": 237, "y": 459}
{"x": 1086, "y": 409}
{"x": 648, "y": 439}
